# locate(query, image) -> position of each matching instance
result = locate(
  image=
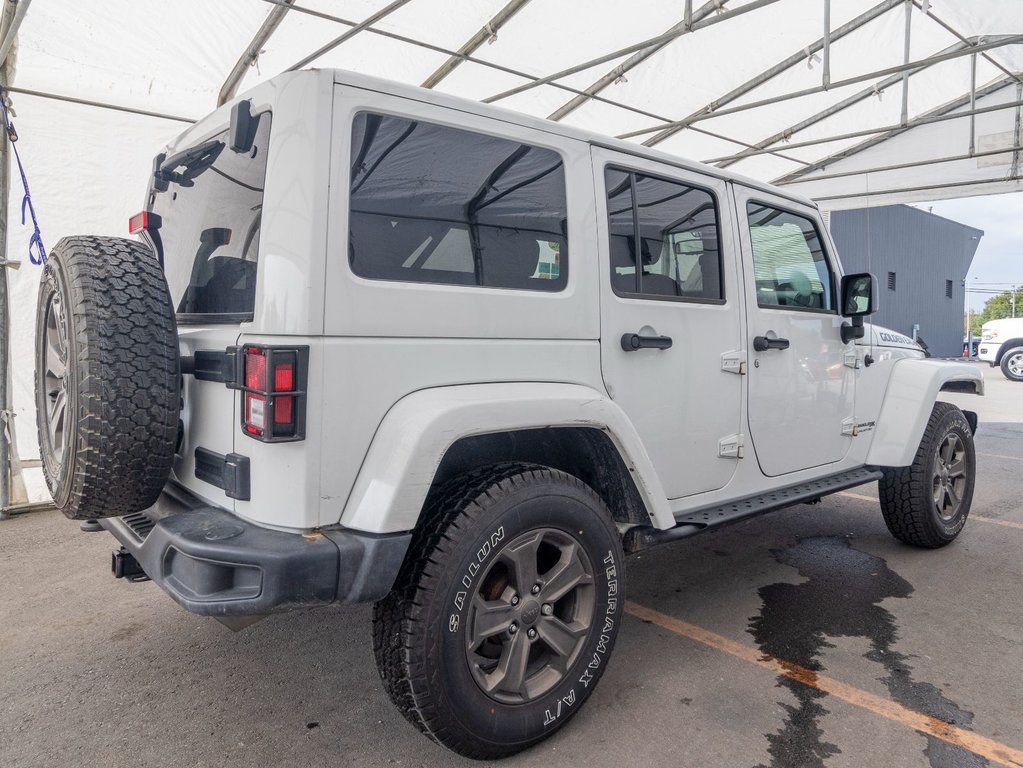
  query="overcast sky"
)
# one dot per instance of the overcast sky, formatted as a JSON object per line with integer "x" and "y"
{"x": 999, "y": 258}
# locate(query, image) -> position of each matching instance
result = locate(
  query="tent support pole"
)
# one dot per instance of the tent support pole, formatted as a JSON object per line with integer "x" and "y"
{"x": 873, "y": 131}
{"x": 688, "y": 18}
{"x": 387, "y": 10}
{"x": 922, "y": 188}
{"x": 824, "y": 114}
{"x": 992, "y": 41}
{"x": 1014, "y": 170}
{"x": 635, "y": 60}
{"x": 912, "y": 164}
{"x": 947, "y": 108}
{"x": 753, "y": 5}
{"x": 251, "y": 54}
{"x": 712, "y": 108}
{"x": 826, "y": 64}
{"x": 12, "y": 14}
{"x": 488, "y": 32}
{"x": 973, "y": 103}
{"x": 905, "y": 60}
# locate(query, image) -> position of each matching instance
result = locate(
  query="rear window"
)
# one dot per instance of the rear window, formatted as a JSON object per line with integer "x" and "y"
{"x": 434, "y": 204}
{"x": 209, "y": 228}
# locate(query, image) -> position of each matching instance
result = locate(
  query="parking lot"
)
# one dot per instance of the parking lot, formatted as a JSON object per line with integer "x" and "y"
{"x": 807, "y": 637}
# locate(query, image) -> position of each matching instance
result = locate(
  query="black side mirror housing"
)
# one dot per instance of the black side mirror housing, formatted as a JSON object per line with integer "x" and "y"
{"x": 858, "y": 301}
{"x": 243, "y": 127}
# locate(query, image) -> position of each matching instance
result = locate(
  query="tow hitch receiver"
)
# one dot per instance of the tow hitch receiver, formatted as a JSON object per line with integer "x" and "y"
{"x": 125, "y": 566}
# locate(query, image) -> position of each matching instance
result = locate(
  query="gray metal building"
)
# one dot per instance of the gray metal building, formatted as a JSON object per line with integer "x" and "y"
{"x": 920, "y": 261}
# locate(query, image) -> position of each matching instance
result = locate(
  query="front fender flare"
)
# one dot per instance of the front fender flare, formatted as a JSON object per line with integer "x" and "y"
{"x": 912, "y": 389}
{"x": 417, "y": 431}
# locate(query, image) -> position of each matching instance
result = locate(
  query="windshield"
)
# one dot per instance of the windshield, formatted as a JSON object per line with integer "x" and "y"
{"x": 209, "y": 218}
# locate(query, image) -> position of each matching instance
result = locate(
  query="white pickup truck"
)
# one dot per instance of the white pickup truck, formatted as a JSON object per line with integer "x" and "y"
{"x": 1001, "y": 344}
{"x": 377, "y": 343}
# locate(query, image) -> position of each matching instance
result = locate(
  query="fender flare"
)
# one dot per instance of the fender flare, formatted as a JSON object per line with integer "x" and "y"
{"x": 912, "y": 389}
{"x": 417, "y": 431}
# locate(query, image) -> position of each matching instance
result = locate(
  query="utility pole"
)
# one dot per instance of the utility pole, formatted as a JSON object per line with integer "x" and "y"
{"x": 7, "y": 17}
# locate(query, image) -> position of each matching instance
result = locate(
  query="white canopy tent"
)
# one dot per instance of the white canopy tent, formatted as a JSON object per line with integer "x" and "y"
{"x": 852, "y": 102}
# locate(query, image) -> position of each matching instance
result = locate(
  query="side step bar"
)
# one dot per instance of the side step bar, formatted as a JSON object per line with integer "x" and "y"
{"x": 691, "y": 523}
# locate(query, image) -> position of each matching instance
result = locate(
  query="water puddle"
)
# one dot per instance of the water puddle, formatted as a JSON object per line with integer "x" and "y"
{"x": 841, "y": 598}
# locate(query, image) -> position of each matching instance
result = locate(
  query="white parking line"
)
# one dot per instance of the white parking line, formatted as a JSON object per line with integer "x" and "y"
{"x": 981, "y": 518}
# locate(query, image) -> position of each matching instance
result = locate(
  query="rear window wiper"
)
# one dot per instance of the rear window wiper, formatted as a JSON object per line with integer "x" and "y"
{"x": 192, "y": 161}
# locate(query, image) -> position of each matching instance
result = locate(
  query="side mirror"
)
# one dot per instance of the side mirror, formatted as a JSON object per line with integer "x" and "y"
{"x": 857, "y": 302}
{"x": 858, "y": 295}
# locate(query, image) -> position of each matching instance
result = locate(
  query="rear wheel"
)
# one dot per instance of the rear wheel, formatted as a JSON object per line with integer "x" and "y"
{"x": 926, "y": 504}
{"x": 1012, "y": 364}
{"x": 505, "y": 612}
{"x": 107, "y": 377}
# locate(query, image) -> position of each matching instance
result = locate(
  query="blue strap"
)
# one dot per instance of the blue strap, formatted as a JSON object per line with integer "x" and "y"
{"x": 36, "y": 250}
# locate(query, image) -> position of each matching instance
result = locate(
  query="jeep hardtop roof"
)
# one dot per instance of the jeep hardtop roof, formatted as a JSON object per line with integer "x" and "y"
{"x": 215, "y": 121}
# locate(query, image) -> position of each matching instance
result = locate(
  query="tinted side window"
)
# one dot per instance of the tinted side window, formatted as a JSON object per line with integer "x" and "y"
{"x": 677, "y": 237}
{"x": 788, "y": 260}
{"x": 435, "y": 204}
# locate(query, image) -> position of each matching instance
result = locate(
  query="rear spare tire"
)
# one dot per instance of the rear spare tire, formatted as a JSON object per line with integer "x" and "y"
{"x": 107, "y": 377}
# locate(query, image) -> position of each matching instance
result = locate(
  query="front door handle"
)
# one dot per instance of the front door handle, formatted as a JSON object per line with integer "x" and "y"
{"x": 633, "y": 341}
{"x": 762, "y": 343}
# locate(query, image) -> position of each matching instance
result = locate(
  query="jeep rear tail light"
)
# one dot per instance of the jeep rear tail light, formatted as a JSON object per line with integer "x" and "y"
{"x": 273, "y": 392}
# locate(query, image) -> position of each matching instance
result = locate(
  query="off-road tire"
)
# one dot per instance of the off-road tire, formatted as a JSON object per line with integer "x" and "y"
{"x": 419, "y": 629}
{"x": 907, "y": 494}
{"x": 107, "y": 299}
{"x": 1012, "y": 364}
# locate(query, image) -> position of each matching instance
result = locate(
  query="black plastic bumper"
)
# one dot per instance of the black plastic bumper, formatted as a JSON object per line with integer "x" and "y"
{"x": 216, "y": 564}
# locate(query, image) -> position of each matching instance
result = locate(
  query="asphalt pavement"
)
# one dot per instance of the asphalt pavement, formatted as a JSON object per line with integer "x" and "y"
{"x": 807, "y": 637}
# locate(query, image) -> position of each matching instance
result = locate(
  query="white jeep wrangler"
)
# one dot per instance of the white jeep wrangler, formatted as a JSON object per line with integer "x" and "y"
{"x": 376, "y": 343}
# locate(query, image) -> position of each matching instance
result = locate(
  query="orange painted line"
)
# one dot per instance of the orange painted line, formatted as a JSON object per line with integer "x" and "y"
{"x": 980, "y": 518}
{"x": 989, "y": 749}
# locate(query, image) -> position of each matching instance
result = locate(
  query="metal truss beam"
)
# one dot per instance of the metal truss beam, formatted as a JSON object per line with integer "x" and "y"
{"x": 447, "y": 51}
{"x": 387, "y": 10}
{"x": 824, "y": 114}
{"x": 486, "y": 33}
{"x": 882, "y": 129}
{"x": 666, "y": 38}
{"x": 251, "y": 54}
{"x": 941, "y": 111}
{"x": 771, "y": 72}
{"x": 920, "y": 188}
{"x": 637, "y": 58}
{"x": 995, "y": 41}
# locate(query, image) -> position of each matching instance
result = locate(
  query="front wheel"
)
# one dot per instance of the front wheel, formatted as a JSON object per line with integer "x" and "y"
{"x": 926, "y": 504}
{"x": 505, "y": 611}
{"x": 1012, "y": 364}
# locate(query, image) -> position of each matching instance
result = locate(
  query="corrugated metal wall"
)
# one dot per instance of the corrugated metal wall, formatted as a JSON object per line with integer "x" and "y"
{"x": 918, "y": 259}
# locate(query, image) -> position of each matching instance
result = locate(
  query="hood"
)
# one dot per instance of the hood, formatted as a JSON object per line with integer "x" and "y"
{"x": 1007, "y": 325}
{"x": 879, "y": 336}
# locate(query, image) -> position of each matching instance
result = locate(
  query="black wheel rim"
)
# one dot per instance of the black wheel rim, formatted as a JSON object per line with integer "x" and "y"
{"x": 54, "y": 375}
{"x": 949, "y": 483}
{"x": 530, "y": 615}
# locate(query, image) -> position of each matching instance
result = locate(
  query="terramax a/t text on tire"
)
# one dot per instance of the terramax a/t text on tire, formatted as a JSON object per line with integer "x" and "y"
{"x": 504, "y": 615}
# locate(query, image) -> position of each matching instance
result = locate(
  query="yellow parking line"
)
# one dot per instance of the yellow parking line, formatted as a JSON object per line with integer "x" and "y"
{"x": 981, "y": 518}
{"x": 987, "y": 748}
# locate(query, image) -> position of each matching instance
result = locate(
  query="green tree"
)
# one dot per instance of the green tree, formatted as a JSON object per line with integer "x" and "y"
{"x": 1000, "y": 306}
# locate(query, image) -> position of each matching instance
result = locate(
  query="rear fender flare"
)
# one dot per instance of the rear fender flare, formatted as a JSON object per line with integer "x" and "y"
{"x": 417, "y": 431}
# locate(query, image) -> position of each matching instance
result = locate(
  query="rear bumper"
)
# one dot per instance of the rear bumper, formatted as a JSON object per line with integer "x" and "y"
{"x": 216, "y": 564}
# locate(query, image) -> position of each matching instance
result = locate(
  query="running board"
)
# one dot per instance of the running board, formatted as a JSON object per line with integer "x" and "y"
{"x": 691, "y": 523}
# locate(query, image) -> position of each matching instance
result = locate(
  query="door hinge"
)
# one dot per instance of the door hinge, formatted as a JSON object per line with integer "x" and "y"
{"x": 851, "y": 358}
{"x": 734, "y": 362}
{"x": 730, "y": 447}
{"x": 849, "y": 427}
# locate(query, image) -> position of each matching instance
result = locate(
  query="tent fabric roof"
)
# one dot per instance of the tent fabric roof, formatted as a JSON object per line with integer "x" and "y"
{"x": 173, "y": 58}
{"x": 748, "y": 84}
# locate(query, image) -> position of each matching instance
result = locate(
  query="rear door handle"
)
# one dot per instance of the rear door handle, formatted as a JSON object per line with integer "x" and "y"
{"x": 762, "y": 343}
{"x": 633, "y": 341}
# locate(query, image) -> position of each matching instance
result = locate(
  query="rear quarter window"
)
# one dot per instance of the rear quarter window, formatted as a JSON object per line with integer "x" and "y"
{"x": 434, "y": 204}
